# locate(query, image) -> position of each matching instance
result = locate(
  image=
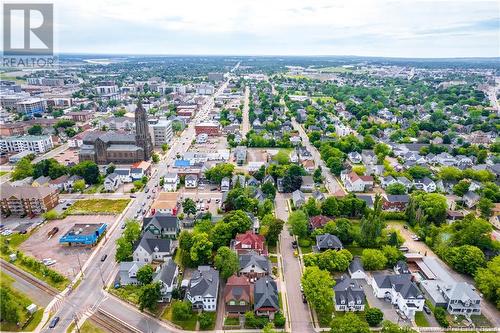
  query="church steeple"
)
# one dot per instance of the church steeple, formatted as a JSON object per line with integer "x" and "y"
{"x": 142, "y": 136}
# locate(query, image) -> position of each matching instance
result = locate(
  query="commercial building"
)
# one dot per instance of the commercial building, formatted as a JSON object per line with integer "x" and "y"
{"x": 43, "y": 81}
{"x": 217, "y": 77}
{"x": 34, "y": 143}
{"x": 27, "y": 200}
{"x": 83, "y": 234}
{"x": 81, "y": 116}
{"x": 205, "y": 89}
{"x": 32, "y": 106}
{"x": 9, "y": 100}
{"x": 106, "y": 88}
{"x": 161, "y": 132}
{"x": 209, "y": 128}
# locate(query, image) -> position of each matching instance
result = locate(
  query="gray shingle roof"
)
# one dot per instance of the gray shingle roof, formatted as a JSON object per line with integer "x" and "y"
{"x": 204, "y": 282}
{"x": 401, "y": 283}
{"x": 149, "y": 244}
{"x": 253, "y": 258}
{"x": 348, "y": 290}
{"x": 166, "y": 273}
{"x": 266, "y": 293}
{"x": 328, "y": 241}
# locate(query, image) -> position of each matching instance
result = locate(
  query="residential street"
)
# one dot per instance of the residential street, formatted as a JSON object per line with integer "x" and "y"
{"x": 298, "y": 311}
{"x": 245, "y": 125}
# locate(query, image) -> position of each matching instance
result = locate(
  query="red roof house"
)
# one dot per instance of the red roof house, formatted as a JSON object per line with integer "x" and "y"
{"x": 249, "y": 241}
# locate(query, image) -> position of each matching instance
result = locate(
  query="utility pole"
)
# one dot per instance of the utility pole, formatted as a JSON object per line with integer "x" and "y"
{"x": 75, "y": 319}
{"x": 79, "y": 263}
{"x": 102, "y": 279}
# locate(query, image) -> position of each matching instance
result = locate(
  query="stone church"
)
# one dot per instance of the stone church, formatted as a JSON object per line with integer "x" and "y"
{"x": 119, "y": 148}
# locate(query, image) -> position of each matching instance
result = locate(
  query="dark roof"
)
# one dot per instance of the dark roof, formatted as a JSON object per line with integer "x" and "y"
{"x": 266, "y": 293}
{"x": 348, "y": 290}
{"x": 401, "y": 283}
{"x": 204, "y": 281}
{"x": 356, "y": 265}
{"x": 149, "y": 244}
{"x": 328, "y": 241}
{"x": 167, "y": 272}
{"x": 161, "y": 221}
{"x": 252, "y": 258}
{"x": 398, "y": 198}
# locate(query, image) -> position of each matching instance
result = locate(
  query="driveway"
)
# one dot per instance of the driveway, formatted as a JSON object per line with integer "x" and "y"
{"x": 387, "y": 308}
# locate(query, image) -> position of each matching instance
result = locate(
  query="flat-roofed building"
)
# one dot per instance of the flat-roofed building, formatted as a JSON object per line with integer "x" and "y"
{"x": 161, "y": 132}
{"x": 34, "y": 143}
{"x": 32, "y": 106}
{"x": 27, "y": 200}
{"x": 209, "y": 128}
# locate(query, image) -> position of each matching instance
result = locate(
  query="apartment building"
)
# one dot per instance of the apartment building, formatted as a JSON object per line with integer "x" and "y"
{"x": 161, "y": 132}
{"x": 27, "y": 200}
{"x": 35, "y": 143}
{"x": 32, "y": 106}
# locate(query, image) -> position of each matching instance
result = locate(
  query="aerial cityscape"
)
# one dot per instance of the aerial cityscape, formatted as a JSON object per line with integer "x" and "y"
{"x": 158, "y": 174}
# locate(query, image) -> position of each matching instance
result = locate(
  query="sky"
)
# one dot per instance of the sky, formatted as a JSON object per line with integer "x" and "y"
{"x": 404, "y": 28}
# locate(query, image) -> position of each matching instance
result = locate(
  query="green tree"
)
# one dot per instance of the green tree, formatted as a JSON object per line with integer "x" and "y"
{"x": 164, "y": 147}
{"x": 181, "y": 310}
{"x": 125, "y": 243}
{"x": 145, "y": 275}
{"x": 79, "y": 185}
{"x": 374, "y": 316}
{"x": 110, "y": 168}
{"x": 88, "y": 170}
{"x": 419, "y": 172}
{"x": 485, "y": 207}
{"x": 317, "y": 175}
{"x": 461, "y": 187}
{"x": 282, "y": 157}
{"x": 185, "y": 244}
{"x": 372, "y": 225}
{"x": 155, "y": 157}
{"x": 464, "y": 259}
{"x": 189, "y": 206}
{"x": 206, "y": 320}
{"x": 396, "y": 188}
{"x": 472, "y": 231}
{"x": 221, "y": 170}
{"x": 298, "y": 223}
{"x": 318, "y": 289}
{"x": 349, "y": 323}
{"x": 311, "y": 207}
{"x": 431, "y": 206}
{"x": 23, "y": 169}
{"x": 269, "y": 190}
{"x": 330, "y": 260}
{"x": 392, "y": 254}
{"x": 293, "y": 178}
{"x": 271, "y": 228}
{"x": 149, "y": 295}
{"x": 488, "y": 282}
{"x": 35, "y": 130}
{"x": 390, "y": 327}
{"x": 201, "y": 251}
{"x": 226, "y": 261}
{"x": 9, "y": 310}
{"x": 124, "y": 250}
{"x": 373, "y": 259}
{"x": 330, "y": 207}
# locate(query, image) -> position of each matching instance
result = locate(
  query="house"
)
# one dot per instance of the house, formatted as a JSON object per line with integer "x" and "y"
{"x": 148, "y": 250}
{"x": 161, "y": 226}
{"x": 41, "y": 181}
{"x": 367, "y": 198}
{"x": 349, "y": 295}
{"x": 308, "y": 165}
{"x": 253, "y": 265}
{"x": 191, "y": 181}
{"x": 401, "y": 267}
{"x": 328, "y": 242}
{"x": 247, "y": 242}
{"x": 237, "y": 296}
{"x": 265, "y": 297}
{"x": 426, "y": 184}
{"x": 354, "y": 157}
{"x": 298, "y": 198}
{"x": 356, "y": 270}
{"x": 307, "y": 184}
{"x": 318, "y": 195}
{"x": 355, "y": 183}
{"x": 400, "y": 290}
{"x": 238, "y": 179}
{"x": 127, "y": 273}
{"x": 368, "y": 157}
{"x": 60, "y": 183}
{"x": 124, "y": 174}
{"x": 405, "y": 181}
{"x": 253, "y": 182}
{"x": 166, "y": 274}
{"x": 386, "y": 181}
{"x": 203, "y": 288}
{"x": 170, "y": 182}
{"x": 112, "y": 182}
{"x": 68, "y": 185}
{"x": 470, "y": 199}
{"x": 396, "y": 203}
{"x": 268, "y": 179}
{"x": 318, "y": 221}
{"x": 140, "y": 169}
{"x": 225, "y": 184}
{"x": 240, "y": 155}
{"x": 441, "y": 289}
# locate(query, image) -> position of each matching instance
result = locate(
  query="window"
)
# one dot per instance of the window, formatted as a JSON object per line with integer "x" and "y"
{"x": 242, "y": 302}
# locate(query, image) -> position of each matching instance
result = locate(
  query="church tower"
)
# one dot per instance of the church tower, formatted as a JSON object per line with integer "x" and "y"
{"x": 142, "y": 136}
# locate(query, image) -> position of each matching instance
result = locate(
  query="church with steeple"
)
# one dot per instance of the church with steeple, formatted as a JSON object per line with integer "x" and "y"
{"x": 117, "y": 147}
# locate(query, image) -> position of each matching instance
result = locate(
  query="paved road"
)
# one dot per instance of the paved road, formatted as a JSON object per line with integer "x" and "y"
{"x": 331, "y": 182}
{"x": 298, "y": 311}
{"x": 245, "y": 124}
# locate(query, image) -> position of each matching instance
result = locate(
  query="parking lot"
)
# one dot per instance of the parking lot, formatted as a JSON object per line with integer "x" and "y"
{"x": 68, "y": 259}
{"x": 257, "y": 155}
{"x": 211, "y": 146}
{"x": 203, "y": 195}
{"x": 67, "y": 156}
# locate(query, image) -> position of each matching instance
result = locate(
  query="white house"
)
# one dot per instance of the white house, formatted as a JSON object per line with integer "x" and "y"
{"x": 355, "y": 183}
{"x": 153, "y": 249}
{"x": 166, "y": 275}
{"x": 171, "y": 180}
{"x": 400, "y": 290}
{"x": 356, "y": 270}
{"x": 191, "y": 181}
{"x": 127, "y": 273}
{"x": 112, "y": 182}
{"x": 426, "y": 184}
{"x": 124, "y": 174}
{"x": 203, "y": 288}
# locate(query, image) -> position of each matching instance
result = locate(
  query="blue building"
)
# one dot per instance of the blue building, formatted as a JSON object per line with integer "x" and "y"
{"x": 84, "y": 234}
{"x": 182, "y": 164}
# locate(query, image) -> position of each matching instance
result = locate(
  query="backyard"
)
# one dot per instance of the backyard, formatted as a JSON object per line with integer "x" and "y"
{"x": 97, "y": 206}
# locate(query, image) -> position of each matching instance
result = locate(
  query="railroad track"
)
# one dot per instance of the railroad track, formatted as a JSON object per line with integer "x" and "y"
{"x": 26, "y": 276}
{"x": 110, "y": 324}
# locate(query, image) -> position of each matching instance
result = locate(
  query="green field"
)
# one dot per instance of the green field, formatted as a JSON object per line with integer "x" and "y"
{"x": 97, "y": 206}
{"x": 420, "y": 319}
{"x": 189, "y": 325}
{"x": 3, "y": 173}
{"x": 20, "y": 302}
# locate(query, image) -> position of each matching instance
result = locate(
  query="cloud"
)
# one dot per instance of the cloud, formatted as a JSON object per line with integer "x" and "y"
{"x": 376, "y": 27}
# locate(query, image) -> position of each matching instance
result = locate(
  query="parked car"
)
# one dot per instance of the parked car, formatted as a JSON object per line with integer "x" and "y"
{"x": 104, "y": 256}
{"x": 294, "y": 244}
{"x": 427, "y": 310}
{"x": 304, "y": 299}
{"x": 54, "y": 322}
{"x": 133, "y": 196}
{"x": 404, "y": 249}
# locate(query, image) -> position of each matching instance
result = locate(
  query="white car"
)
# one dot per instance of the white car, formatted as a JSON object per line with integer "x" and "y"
{"x": 7, "y": 232}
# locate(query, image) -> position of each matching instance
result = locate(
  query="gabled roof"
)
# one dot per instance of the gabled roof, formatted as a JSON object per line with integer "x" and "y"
{"x": 401, "y": 283}
{"x": 253, "y": 259}
{"x": 356, "y": 265}
{"x": 166, "y": 274}
{"x": 154, "y": 244}
{"x": 348, "y": 290}
{"x": 328, "y": 241}
{"x": 250, "y": 240}
{"x": 204, "y": 282}
{"x": 266, "y": 293}
{"x": 319, "y": 221}
{"x": 398, "y": 198}
{"x": 237, "y": 288}
{"x": 161, "y": 221}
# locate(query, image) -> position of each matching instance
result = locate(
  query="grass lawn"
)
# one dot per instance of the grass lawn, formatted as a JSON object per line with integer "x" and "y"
{"x": 420, "y": 319}
{"x": 20, "y": 301}
{"x": 232, "y": 321}
{"x": 324, "y": 99}
{"x": 3, "y": 173}
{"x": 273, "y": 259}
{"x": 480, "y": 321}
{"x": 189, "y": 324}
{"x": 97, "y": 206}
{"x": 212, "y": 315}
{"x": 271, "y": 249}
{"x": 356, "y": 251}
{"x": 15, "y": 239}
{"x": 129, "y": 293}
{"x": 98, "y": 188}
{"x": 87, "y": 327}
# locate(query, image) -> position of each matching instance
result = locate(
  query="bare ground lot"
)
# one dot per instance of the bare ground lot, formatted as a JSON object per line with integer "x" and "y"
{"x": 40, "y": 247}
{"x": 67, "y": 156}
{"x": 257, "y": 155}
